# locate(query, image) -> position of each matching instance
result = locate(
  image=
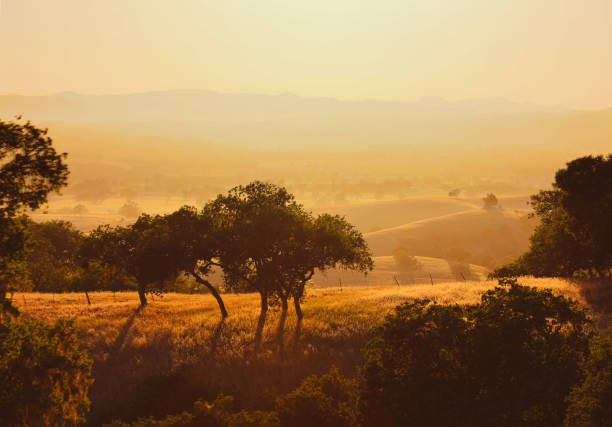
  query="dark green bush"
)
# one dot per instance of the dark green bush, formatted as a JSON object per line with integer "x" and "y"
{"x": 220, "y": 413}
{"x": 416, "y": 367}
{"x": 44, "y": 375}
{"x": 509, "y": 360}
{"x": 326, "y": 400}
{"x": 590, "y": 400}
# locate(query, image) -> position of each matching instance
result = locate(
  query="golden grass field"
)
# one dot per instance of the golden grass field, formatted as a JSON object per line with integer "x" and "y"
{"x": 160, "y": 359}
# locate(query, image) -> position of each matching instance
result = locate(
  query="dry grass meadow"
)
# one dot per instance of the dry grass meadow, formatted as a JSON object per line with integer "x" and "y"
{"x": 160, "y": 359}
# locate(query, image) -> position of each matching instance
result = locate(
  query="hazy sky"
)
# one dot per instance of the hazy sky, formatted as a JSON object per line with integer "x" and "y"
{"x": 546, "y": 51}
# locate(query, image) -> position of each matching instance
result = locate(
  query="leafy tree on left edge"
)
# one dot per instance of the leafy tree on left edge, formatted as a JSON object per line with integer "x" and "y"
{"x": 31, "y": 169}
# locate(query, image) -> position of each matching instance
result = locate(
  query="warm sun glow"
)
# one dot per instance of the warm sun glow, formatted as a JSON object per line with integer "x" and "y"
{"x": 552, "y": 52}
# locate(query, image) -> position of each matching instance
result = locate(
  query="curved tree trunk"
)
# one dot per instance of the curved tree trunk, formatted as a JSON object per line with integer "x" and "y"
{"x": 262, "y": 319}
{"x": 142, "y": 295}
{"x": 213, "y": 291}
{"x": 88, "y": 300}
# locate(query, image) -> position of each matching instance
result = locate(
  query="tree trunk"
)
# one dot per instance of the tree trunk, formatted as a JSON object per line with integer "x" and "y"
{"x": 298, "y": 307}
{"x": 280, "y": 333}
{"x": 214, "y": 293}
{"x": 141, "y": 295}
{"x": 88, "y": 300}
{"x": 262, "y": 319}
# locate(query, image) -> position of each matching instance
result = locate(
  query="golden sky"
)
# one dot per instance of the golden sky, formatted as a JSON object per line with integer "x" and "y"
{"x": 545, "y": 51}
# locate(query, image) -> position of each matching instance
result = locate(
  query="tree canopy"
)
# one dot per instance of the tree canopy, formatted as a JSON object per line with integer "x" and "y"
{"x": 574, "y": 237}
{"x": 30, "y": 169}
{"x": 509, "y": 360}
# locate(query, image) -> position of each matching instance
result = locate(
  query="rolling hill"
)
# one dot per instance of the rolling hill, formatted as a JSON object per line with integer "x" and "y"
{"x": 386, "y": 273}
{"x": 498, "y": 234}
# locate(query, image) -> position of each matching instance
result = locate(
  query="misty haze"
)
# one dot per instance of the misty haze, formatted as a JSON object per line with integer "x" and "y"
{"x": 305, "y": 214}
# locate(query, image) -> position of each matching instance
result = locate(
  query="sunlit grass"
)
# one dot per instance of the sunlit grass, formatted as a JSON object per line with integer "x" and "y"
{"x": 160, "y": 359}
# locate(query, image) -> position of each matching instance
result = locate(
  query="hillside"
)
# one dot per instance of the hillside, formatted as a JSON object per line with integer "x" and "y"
{"x": 497, "y": 233}
{"x": 386, "y": 272}
{"x": 382, "y": 214}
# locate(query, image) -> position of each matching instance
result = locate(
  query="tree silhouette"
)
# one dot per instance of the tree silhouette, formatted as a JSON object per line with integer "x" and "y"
{"x": 253, "y": 223}
{"x": 575, "y": 233}
{"x": 30, "y": 169}
{"x": 490, "y": 201}
{"x": 193, "y": 247}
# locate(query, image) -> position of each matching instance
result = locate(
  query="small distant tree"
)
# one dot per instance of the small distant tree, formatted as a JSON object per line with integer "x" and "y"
{"x": 44, "y": 375}
{"x": 454, "y": 192}
{"x": 80, "y": 209}
{"x": 30, "y": 169}
{"x": 129, "y": 209}
{"x": 490, "y": 201}
{"x": 405, "y": 261}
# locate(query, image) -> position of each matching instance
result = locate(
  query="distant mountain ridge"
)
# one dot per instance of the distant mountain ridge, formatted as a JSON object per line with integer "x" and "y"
{"x": 210, "y": 106}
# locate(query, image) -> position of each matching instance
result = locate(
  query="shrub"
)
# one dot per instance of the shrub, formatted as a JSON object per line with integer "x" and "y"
{"x": 509, "y": 360}
{"x": 326, "y": 400}
{"x": 220, "y": 413}
{"x": 589, "y": 401}
{"x": 416, "y": 367}
{"x": 405, "y": 261}
{"x": 44, "y": 375}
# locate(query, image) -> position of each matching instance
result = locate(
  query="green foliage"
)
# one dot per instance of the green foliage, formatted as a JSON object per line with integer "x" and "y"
{"x": 589, "y": 400}
{"x": 29, "y": 170}
{"x": 575, "y": 234}
{"x": 509, "y": 360}
{"x": 44, "y": 375}
{"x": 326, "y": 400}
{"x": 52, "y": 263}
{"x": 269, "y": 243}
{"x": 416, "y": 367}
{"x": 220, "y": 413}
{"x": 140, "y": 251}
{"x": 527, "y": 346}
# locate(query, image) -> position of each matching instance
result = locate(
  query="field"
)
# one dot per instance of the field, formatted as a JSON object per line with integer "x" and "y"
{"x": 385, "y": 271}
{"x": 159, "y": 360}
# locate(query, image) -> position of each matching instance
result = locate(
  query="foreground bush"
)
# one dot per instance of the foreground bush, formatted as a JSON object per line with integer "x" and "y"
{"x": 326, "y": 400}
{"x": 589, "y": 401}
{"x": 44, "y": 375}
{"x": 220, "y": 413}
{"x": 510, "y": 360}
